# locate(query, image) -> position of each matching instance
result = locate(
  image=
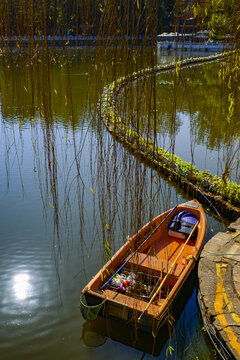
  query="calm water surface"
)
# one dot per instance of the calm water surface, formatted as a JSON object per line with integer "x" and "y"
{"x": 67, "y": 189}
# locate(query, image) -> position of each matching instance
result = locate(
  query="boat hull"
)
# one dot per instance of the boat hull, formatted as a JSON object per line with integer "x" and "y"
{"x": 144, "y": 338}
{"x": 157, "y": 254}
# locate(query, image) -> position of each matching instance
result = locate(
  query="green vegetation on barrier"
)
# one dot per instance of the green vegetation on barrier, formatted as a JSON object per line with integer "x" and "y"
{"x": 221, "y": 187}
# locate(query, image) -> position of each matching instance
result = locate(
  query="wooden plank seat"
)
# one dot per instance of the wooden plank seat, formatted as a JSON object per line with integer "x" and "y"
{"x": 131, "y": 302}
{"x": 149, "y": 263}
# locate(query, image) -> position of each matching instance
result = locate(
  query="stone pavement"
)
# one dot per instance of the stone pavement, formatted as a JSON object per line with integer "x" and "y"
{"x": 219, "y": 285}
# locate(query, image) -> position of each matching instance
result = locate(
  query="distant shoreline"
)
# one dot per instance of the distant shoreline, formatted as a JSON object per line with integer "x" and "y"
{"x": 168, "y": 41}
{"x": 194, "y": 46}
{"x": 66, "y": 38}
{"x": 194, "y": 42}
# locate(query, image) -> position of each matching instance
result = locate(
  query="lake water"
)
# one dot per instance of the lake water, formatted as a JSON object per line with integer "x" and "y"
{"x": 69, "y": 191}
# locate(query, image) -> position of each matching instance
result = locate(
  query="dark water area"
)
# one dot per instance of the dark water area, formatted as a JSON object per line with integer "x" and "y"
{"x": 69, "y": 192}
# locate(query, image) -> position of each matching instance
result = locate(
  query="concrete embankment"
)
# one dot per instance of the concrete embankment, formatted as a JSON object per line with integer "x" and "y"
{"x": 219, "y": 290}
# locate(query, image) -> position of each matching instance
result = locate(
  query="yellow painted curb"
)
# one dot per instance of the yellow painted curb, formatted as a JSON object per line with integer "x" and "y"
{"x": 220, "y": 299}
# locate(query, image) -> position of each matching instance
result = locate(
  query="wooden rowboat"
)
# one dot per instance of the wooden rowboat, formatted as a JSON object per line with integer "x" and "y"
{"x": 146, "y": 274}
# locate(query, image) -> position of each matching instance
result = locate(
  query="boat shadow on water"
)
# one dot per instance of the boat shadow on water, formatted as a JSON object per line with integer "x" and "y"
{"x": 130, "y": 333}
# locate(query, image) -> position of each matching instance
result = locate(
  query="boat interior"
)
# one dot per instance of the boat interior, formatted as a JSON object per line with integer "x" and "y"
{"x": 149, "y": 266}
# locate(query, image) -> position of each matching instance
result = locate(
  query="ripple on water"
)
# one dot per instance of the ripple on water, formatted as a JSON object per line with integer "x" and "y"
{"x": 29, "y": 296}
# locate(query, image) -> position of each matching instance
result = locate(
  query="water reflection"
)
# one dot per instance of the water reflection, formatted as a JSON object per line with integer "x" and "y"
{"x": 90, "y": 337}
{"x": 188, "y": 118}
{"x": 22, "y": 286}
